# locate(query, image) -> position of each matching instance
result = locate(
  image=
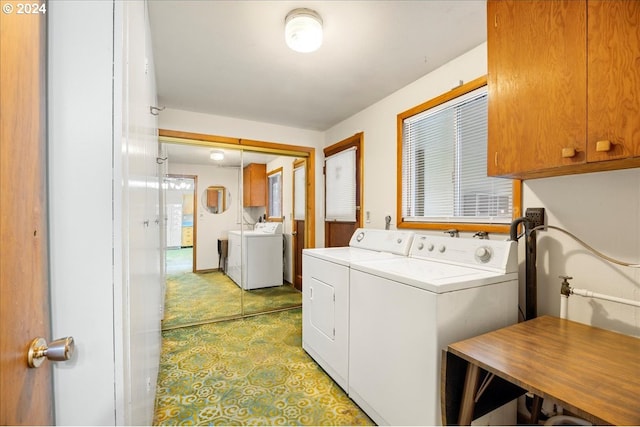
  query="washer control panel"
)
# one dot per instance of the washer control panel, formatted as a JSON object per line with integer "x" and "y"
{"x": 480, "y": 253}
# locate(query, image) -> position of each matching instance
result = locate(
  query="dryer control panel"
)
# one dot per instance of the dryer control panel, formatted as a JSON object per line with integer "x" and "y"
{"x": 392, "y": 241}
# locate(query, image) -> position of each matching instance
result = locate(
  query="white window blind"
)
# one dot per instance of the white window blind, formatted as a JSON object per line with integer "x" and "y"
{"x": 299, "y": 184}
{"x": 275, "y": 195}
{"x": 340, "y": 182}
{"x": 444, "y": 165}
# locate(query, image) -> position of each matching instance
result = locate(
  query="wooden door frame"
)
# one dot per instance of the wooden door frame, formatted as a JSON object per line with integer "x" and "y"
{"x": 208, "y": 140}
{"x": 356, "y": 141}
{"x": 297, "y": 163}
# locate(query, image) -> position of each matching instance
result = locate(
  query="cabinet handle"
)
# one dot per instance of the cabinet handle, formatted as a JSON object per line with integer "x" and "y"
{"x": 567, "y": 153}
{"x": 603, "y": 146}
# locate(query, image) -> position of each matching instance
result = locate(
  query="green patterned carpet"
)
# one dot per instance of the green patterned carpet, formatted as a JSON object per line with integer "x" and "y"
{"x": 193, "y": 298}
{"x": 251, "y": 371}
{"x": 179, "y": 260}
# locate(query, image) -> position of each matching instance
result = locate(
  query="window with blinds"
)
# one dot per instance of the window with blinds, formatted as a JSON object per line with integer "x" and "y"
{"x": 299, "y": 199}
{"x": 444, "y": 165}
{"x": 340, "y": 170}
{"x": 274, "y": 184}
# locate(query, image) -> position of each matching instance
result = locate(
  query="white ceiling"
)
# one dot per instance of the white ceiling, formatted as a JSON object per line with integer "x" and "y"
{"x": 229, "y": 58}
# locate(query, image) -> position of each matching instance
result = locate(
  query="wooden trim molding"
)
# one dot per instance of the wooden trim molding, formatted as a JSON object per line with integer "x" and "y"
{"x": 461, "y": 226}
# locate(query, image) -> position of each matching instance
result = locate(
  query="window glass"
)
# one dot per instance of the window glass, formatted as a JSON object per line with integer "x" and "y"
{"x": 299, "y": 199}
{"x": 274, "y": 183}
{"x": 444, "y": 165}
{"x": 341, "y": 186}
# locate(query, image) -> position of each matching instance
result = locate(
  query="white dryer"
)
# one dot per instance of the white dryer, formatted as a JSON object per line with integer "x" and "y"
{"x": 405, "y": 311}
{"x": 325, "y": 299}
{"x": 255, "y": 258}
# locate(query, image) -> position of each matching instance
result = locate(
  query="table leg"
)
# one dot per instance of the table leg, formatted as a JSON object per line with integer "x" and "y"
{"x": 536, "y": 406}
{"x": 471, "y": 381}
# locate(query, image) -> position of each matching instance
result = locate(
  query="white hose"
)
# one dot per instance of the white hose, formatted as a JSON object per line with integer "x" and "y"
{"x": 589, "y": 294}
{"x": 564, "y": 306}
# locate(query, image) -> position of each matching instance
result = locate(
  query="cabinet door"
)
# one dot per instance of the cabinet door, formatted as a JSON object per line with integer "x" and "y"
{"x": 246, "y": 186}
{"x": 614, "y": 79}
{"x": 255, "y": 185}
{"x": 537, "y": 85}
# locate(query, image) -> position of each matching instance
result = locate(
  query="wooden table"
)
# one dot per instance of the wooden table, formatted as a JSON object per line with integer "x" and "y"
{"x": 591, "y": 372}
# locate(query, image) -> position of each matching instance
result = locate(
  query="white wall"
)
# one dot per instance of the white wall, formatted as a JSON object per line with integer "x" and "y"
{"x": 378, "y": 122}
{"x": 601, "y": 208}
{"x": 286, "y": 163}
{"x": 238, "y": 128}
{"x": 81, "y": 209}
{"x": 212, "y": 227}
{"x": 101, "y": 188}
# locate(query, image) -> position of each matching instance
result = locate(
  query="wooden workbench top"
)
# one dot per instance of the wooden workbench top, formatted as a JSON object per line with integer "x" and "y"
{"x": 591, "y": 372}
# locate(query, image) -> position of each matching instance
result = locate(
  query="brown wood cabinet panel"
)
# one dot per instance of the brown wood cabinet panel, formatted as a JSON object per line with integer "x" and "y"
{"x": 255, "y": 185}
{"x": 613, "y": 79}
{"x": 563, "y": 75}
{"x": 212, "y": 197}
{"x": 537, "y": 85}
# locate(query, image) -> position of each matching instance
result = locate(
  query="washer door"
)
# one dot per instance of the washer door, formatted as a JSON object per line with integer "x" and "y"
{"x": 325, "y": 316}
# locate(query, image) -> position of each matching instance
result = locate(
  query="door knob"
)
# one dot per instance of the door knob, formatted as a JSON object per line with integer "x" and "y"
{"x": 57, "y": 351}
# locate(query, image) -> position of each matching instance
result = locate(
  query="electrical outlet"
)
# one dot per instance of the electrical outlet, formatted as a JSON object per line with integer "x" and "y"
{"x": 536, "y": 216}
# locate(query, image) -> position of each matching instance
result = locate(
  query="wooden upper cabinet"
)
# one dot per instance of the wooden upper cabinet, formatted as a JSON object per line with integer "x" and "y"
{"x": 254, "y": 178}
{"x": 537, "y": 82}
{"x": 558, "y": 85}
{"x": 613, "y": 80}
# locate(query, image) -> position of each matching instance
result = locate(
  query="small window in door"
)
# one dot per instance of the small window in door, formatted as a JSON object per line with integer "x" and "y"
{"x": 274, "y": 204}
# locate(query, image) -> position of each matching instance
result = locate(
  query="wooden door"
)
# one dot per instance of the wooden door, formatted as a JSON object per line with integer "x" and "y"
{"x": 613, "y": 79}
{"x": 537, "y": 84}
{"x": 299, "y": 216}
{"x": 25, "y": 394}
{"x": 338, "y": 233}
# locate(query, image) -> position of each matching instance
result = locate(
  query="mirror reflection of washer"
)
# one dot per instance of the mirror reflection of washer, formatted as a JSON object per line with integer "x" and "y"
{"x": 405, "y": 311}
{"x": 255, "y": 256}
{"x": 325, "y": 299}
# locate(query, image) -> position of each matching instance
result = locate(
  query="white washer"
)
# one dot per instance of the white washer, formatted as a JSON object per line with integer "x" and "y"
{"x": 325, "y": 299}
{"x": 405, "y": 311}
{"x": 255, "y": 257}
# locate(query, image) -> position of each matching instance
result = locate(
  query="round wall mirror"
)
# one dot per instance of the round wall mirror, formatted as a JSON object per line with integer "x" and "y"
{"x": 215, "y": 199}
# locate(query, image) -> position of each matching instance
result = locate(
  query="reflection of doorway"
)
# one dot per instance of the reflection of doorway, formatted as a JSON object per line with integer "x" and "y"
{"x": 181, "y": 223}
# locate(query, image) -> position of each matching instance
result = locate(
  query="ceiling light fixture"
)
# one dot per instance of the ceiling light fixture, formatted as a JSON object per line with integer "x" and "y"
{"x": 303, "y": 30}
{"x": 216, "y": 155}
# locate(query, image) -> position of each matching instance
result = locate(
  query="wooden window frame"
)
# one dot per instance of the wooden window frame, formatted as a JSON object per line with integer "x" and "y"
{"x": 461, "y": 226}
